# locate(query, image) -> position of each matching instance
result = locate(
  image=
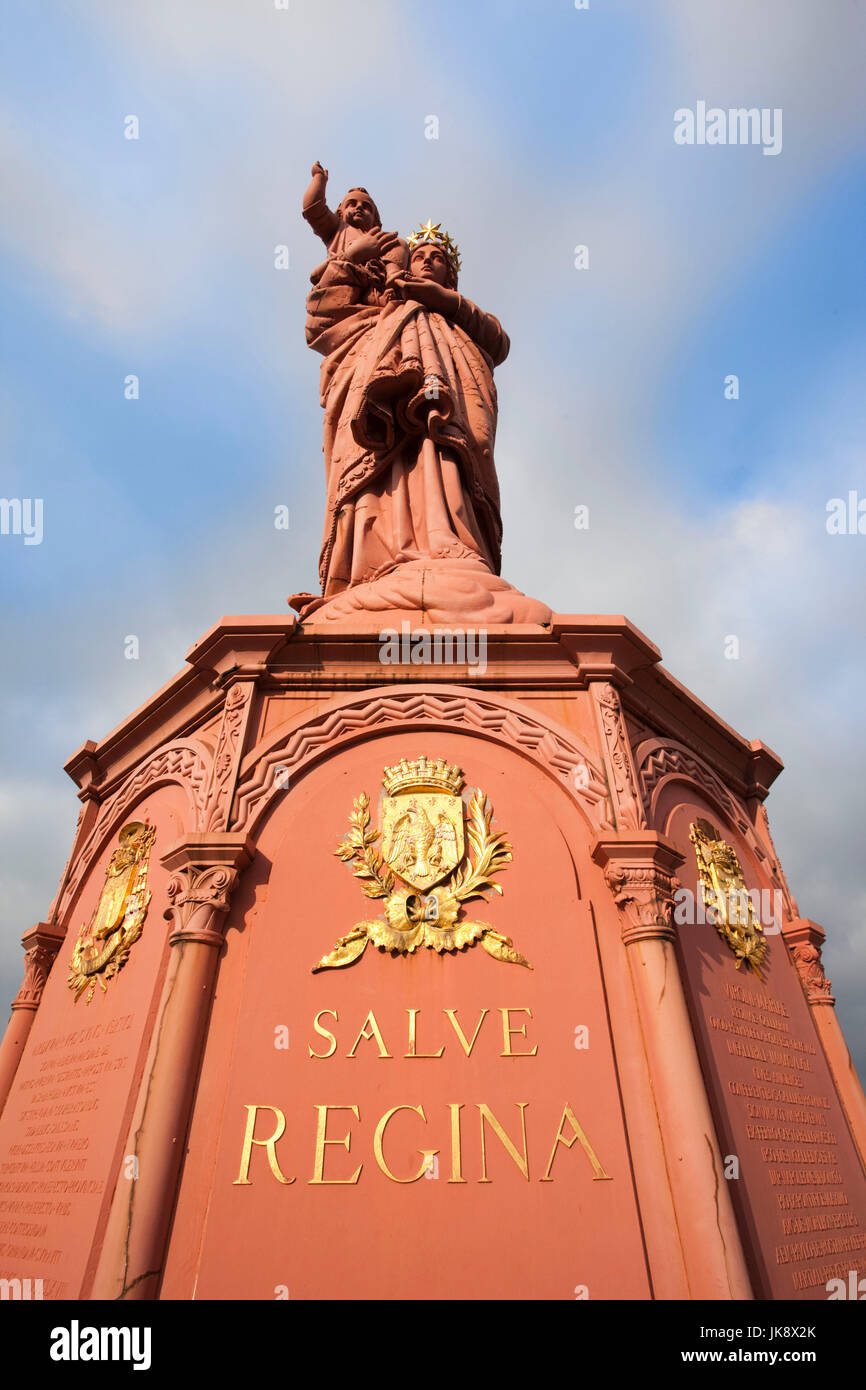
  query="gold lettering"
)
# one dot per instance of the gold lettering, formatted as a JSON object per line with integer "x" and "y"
{"x": 456, "y": 1170}
{"x": 243, "y": 1178}
{"x": 325, "y": 1033}
{"x": 321, "y": 1141}
{"x": 379, "y": 1137}
{"x": 600, "y": 1174}
{"x": 370, "y": 1030}
{"x": 465, "y": 1044}
{"x": 508, "y": 1028}
{"x": 413, "y": 1042}
{"x": 522, "y": 1162}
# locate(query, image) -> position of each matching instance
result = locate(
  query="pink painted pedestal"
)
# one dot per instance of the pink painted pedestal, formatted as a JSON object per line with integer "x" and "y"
{"x": 671, "y": 1061}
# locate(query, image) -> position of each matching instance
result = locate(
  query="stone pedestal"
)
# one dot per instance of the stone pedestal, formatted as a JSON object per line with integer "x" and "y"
{"x": 638, "y": 1115}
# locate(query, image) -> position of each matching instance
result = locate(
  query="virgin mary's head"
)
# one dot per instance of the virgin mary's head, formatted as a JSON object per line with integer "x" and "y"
{"x": 429, "y": 262}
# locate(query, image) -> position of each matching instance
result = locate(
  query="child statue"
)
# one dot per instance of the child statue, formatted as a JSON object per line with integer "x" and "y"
{"x": 348, "y": 232}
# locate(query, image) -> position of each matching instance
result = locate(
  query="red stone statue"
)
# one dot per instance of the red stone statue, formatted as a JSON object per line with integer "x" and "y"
{"x": 412, "y": 519}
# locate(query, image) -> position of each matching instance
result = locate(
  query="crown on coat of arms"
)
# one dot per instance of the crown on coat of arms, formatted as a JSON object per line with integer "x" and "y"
{"x": 422, "y": 775}
{"x": 430, "y": 233}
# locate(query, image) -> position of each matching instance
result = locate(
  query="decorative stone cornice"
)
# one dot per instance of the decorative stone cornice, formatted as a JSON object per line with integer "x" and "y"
{"x": 205, "y": 870}
{"x": 766, "y": 766}
{"x": 41, "y": 944}
{"x": 241, "y": 645}
{"x": 804, "y": 939}
{"x": 639, "y": 869}
{"x": 604, "y": 647}
{"x": 83, "y": 767}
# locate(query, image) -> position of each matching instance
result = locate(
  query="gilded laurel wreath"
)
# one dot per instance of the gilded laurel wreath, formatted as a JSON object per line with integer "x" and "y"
{"x": 421, "y": 870}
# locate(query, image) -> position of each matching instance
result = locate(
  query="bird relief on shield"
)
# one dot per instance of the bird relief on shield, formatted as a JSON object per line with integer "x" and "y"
{"x": 422, "y": 836}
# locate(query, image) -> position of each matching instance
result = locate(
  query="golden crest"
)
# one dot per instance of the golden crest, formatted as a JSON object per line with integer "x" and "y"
{"x": 725, "y": 893}
{"x": 103, "y": 946}
{"x": 423, "y": 872}
{"x": 422, "y": 836}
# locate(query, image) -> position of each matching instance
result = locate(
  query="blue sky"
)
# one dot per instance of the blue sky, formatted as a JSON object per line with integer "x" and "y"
{"x": 155, "y": 257}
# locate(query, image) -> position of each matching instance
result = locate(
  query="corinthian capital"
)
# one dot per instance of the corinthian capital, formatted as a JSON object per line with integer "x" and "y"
{"x": 204, "y": 872}
{"x": 805, "y": 939}
{"x": 41, "y": 944}
{"x": 639, "y": 869}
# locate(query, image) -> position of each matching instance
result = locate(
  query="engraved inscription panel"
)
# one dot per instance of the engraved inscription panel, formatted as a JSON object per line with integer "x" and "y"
{"x": 795, "y": 1176}
{"x": 63, "y": 1129}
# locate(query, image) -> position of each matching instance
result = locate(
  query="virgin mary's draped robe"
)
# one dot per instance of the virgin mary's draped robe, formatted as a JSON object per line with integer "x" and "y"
{"x": 410, "y": 422}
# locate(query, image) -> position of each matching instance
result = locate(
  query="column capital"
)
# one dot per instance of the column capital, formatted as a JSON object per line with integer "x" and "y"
{"x": 640, "y": 870}
{"x": 41, "y": 944}
{"x": 804, "y": 939}
{"x": 204, "y": 871}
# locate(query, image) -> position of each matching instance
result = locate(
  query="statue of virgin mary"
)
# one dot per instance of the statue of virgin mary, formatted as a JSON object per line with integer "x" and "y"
{"x": 412, "y": 518}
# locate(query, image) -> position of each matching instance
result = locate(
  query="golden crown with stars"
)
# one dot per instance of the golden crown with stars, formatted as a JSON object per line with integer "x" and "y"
{"x": 430, "y": 233}
{"x": 423, "y": 774}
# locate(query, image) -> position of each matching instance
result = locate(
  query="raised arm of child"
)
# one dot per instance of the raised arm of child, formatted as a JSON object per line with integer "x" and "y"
{"x": 323, "y": 221}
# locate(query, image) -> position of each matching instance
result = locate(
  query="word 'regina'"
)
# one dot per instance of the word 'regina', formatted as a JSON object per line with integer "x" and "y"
{"x": 568, "y": 1132}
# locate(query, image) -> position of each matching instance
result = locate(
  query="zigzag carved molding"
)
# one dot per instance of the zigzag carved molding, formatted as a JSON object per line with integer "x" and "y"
{"x": 657, "y": 761}
{"x": 582, "y": 776}
{"x": 188, "y": 764}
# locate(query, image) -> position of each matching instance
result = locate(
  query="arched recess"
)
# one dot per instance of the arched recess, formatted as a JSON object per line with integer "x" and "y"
{"x": 295, "y": 900}
{"x": 351, "y": 719}
{"x": 186, "y": 763}
{"x": 661, "y": 762}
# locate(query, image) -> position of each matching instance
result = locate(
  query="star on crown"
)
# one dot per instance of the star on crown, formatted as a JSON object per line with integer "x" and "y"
{"x": 430, "y": 233}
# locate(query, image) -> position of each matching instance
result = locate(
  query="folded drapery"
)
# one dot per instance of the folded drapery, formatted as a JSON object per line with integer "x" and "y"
{"x": 410, "y": 422}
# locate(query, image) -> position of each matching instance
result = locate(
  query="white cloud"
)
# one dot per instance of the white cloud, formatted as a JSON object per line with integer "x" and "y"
{"x": 245, "y": 105}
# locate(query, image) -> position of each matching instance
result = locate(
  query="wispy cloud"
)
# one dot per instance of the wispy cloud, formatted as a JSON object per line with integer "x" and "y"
{"x": 163, "y": 247}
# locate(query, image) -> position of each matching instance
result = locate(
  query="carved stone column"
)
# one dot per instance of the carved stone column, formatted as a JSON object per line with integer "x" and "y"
{"x": 205, "y": 871}
{"x": 805, "y": 939}
{"x": 41, "y": 944}
{"x": 639, "y": 868}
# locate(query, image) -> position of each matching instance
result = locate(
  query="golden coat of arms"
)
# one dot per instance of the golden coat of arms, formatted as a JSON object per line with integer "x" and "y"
{"x": 103, "y": 946}
{"x": 423, "y": 869}
{"x": 725, "y": 892}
